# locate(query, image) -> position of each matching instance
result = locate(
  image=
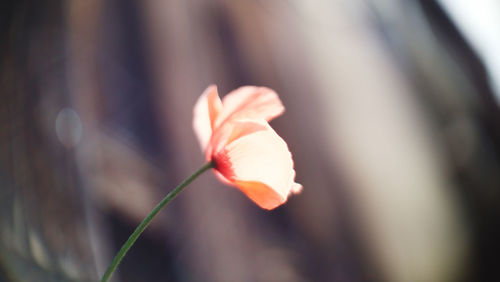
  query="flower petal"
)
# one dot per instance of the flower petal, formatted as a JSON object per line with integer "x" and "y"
{"x": 247, "y": 102}
{"x": 258, "y": 163}
{"x": 206, "y": 111}
{"x": 261, "y": 194}
{"x": 296, "y": 188}
{"x": 250, "y": 102}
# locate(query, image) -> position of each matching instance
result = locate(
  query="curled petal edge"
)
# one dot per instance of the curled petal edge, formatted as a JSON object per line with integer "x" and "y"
{"x": 205, "y": 112}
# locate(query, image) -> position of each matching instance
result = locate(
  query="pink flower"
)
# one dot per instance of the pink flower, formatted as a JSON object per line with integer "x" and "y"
{"x": 246, "y": 151}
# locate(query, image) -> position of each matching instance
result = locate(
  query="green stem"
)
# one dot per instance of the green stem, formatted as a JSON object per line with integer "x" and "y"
{"x": 137, "y": 232}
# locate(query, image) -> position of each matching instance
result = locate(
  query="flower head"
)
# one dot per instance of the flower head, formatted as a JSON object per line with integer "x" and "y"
{"x": 246, "y": 151}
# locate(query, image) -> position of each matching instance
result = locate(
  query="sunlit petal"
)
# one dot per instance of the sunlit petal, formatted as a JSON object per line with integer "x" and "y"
{"x": 250, "y": 102}
{"x": 205, "y": 112}
{"x": 259, "y": 163}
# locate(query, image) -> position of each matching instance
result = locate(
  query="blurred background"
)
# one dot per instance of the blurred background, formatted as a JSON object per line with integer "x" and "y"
{"x": 392, "y": 118}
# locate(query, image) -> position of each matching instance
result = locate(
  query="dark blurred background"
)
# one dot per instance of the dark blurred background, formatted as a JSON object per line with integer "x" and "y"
{"x": 392, "y": 118}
